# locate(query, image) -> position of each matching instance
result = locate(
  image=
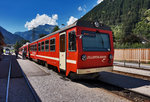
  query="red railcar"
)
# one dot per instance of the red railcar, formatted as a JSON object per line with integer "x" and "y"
{"x": 25, "y": 47}
{"x": 83, "y": 48}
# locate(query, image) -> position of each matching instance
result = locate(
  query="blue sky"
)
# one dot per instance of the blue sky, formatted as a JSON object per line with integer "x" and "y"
{"x": 14, "y": 14}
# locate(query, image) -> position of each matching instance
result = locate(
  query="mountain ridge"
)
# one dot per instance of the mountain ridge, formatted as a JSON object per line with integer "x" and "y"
{"x": 10, "y": 38}
{"x": 41, "y": 29}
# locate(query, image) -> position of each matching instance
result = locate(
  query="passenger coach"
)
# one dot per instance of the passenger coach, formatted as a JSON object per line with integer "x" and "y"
{"x": 83, "y": 48}
{"x": 26, "y": 49}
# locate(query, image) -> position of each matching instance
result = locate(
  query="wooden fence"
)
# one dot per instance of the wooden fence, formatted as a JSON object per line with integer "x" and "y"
{"x": 134, "y": 55}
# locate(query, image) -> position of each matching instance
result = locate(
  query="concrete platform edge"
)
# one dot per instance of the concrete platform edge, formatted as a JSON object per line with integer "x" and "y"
{"x": 30, "y": 86}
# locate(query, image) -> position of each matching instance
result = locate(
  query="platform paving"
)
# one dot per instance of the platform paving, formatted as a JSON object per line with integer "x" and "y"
{"x": 30, "y": 68}
{"x": 52, "y": 87}
{"x": 134, "y": 84}
{"x": 132, "y": 70}
{"x": 130, "y": 64}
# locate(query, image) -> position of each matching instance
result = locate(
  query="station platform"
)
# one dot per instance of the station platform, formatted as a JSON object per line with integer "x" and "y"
{"x": 130, "y": 83}
{"x": 51, "y": 87}
{"x": 30, "y": 68}
{"x": 135, "y": 71}
{"x": 131, "y": 64}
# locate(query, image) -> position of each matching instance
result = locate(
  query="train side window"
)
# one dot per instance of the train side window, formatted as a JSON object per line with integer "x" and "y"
{"x": 47, "y": 45}
{"x": 62, "y": 43}
{"x": 31, "y": 48}
{"x": 39, "y": 46}
{"x": 42, "y": 46}
{"x": 52, "y": 44}
{"x": 72, "y": 41}
{"x": 35, "y": 47}
{"x": 25, "y": 49}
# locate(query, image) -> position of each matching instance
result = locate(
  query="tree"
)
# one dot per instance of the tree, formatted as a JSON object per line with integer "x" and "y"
{"x": 143, "y": 27}
{"x": 131, "y": 39}
{"x": 1, "y": 39}
{"x": 56, "y": 28}
{"x": 42, "y": 35}
{"x": 18, "y": 44}
{"x": 123, "y": 16}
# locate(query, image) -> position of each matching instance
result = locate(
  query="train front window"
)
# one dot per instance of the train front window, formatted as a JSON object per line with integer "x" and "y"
{"x": 95, "y": 41}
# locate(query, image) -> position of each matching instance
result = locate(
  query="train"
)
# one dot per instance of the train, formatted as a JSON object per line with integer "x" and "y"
{"x": 83, "y": 48}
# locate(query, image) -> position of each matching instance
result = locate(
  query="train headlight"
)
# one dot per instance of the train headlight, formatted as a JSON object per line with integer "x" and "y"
{"x": 96, "y": 24}
{"x": 83, "y": 57}
{"x": 110, "y": 56}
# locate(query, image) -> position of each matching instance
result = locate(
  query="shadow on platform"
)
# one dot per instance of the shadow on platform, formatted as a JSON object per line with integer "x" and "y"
{"x": 122, "y": 80}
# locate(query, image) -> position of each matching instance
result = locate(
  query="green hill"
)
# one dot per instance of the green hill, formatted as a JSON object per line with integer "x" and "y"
{"x": 129, "y": 20}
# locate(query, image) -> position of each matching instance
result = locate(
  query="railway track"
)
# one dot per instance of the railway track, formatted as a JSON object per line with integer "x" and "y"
{"x": 17, "y": 87}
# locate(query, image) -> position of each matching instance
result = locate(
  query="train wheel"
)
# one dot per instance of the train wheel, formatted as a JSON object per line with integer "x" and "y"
{"x": 55, "y": 69}
{"x": 39, "y": 62}
{"x": 43, "y": 63}
{"x": 73, "y": 76}
{"x": 46, "y": 65}
{"x": 95, "y": 76}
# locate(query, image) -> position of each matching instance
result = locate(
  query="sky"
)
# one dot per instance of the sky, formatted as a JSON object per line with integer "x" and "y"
{"x": 23, "y": 15}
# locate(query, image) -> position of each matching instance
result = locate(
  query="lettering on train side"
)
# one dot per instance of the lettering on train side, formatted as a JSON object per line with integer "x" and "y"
{"x": 96, "y": 57}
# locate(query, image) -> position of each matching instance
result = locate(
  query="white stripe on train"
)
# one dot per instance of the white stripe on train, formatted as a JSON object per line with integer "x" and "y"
{"x": 57, "y": 59}
{"x": 53, "y": 58}
{"x": 71, "y": 61}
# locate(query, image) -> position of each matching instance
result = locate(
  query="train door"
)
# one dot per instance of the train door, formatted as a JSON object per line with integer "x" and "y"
{"x": 62, "y": 51}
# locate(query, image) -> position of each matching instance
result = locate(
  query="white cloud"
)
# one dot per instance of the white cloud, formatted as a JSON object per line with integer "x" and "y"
{"x": 80, "y": 8}
{"x": 99, "y": 1}
{"x": 71, "y": 20}
{"x": 42, "y": 20}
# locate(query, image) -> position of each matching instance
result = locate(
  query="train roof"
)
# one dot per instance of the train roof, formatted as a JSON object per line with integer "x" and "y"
{"x": 80, "y": 23}
{"x": 24, "y": 45}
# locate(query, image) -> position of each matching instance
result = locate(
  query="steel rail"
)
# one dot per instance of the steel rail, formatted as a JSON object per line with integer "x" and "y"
{"x": 8, "y": 81}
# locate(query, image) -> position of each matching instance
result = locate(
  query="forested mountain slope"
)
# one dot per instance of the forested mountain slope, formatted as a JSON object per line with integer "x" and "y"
{"x": 129, "y": 19}
{"x": 10, "y": 38}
